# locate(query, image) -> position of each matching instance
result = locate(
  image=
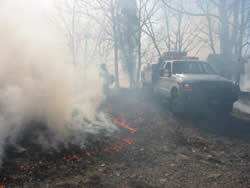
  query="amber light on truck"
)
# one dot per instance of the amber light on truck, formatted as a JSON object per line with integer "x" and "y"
{"x": 187, "y": 87}
{"x": 183, "y": 57}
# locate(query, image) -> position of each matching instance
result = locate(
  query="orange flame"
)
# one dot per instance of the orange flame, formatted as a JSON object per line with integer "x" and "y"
{"x": 124, "y": 125}
{"x": 117, "y": 146}
{"x": 120, "y": 144}
{"x": 2, "y": 186}
{"x": 22, "y": 168}
{"x": 74, "y": 157}
{"x": 71, "y": 158}
{"x": 129, "y": 141}
{"x": 88, "y": 154}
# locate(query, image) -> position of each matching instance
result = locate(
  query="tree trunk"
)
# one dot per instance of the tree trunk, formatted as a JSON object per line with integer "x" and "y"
{"x": 115, "y": 38}
{"x": 131, "y": 62}
{"x": 242, "y": 28}
{"x": 240, "y": 44}
{"x": 178, "y": 38}
{"x": 224, "y": 34}
{"x": 73, "y": 34}
{"x": 117, "y": 81}
{"x": 139, "y": 46}
{"x": 139, "y": 58}
{"x": 235, "y": 28}
{"x": 210, "y": 34}
{"x": 168, "y": 32}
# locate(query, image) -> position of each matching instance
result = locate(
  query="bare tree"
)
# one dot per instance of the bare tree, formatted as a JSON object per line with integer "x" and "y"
{"x": 127, "y": 36}
{"x": 227, "y": 15}
{"x": 226, "y": 23}
{"x": 104, "y": 14}
{"x": 146, "y": 10}
{"x": 68, "y": 21}
{"x": 114, "y": 15}
{"x": 179, "y": 34}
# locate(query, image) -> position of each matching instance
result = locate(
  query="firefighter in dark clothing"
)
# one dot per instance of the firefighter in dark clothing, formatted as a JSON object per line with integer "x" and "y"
{"x": 108, "y": 78}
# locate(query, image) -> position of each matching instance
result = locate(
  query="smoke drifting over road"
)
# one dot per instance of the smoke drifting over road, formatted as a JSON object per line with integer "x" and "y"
{"x": 39, "y": 83}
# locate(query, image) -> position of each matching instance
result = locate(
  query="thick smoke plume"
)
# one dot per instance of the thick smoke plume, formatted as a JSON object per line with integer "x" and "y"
{"x": 38, "y": 83}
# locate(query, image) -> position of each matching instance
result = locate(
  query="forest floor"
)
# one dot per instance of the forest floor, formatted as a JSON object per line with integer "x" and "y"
{"x": 153, "y": 149}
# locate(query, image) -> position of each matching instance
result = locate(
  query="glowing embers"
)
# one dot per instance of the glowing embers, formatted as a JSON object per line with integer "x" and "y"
{"x": 120, "y": 144}
{"x": 128, "y": 140}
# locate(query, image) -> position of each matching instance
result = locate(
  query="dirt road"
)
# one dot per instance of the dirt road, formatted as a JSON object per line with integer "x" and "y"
{"x": 164, "y": 151}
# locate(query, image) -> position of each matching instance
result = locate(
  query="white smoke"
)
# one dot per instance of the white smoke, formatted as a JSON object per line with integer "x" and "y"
{"x": 38, "y": 82}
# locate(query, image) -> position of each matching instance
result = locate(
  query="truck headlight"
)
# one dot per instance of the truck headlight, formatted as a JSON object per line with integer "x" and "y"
{"x": 236, "y": 89}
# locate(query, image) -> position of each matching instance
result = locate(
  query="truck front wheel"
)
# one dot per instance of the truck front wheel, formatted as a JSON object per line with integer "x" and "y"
{"x": 226, "y": 109}
{"x": 175, "y": 102}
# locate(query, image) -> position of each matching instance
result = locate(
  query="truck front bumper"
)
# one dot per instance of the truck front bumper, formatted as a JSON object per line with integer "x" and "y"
{"x": 199, "y": 101}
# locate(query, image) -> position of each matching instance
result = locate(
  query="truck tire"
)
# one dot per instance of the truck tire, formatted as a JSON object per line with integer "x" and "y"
{"x": 226, "y": 109}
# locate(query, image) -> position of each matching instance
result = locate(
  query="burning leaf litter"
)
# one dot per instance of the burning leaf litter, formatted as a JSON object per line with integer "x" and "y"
{"x": 118, "y": 145}
{"x": 124, "y": 125}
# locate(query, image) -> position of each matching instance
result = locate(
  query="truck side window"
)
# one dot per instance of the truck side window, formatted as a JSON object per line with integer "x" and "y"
{"x": 162, "y": 69}
{"x": 168, "y": 71}
{"x": 168, "y": 67}
{"x": 163, "y": 66}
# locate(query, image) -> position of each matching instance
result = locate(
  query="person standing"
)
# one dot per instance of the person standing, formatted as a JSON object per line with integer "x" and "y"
{"x": 108, "y": 78}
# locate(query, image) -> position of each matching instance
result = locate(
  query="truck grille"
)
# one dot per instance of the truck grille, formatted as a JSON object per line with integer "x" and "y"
{"x": 213, "y": 90}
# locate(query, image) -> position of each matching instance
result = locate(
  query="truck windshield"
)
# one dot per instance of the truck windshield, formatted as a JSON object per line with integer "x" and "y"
{"x": 192, "y": 67}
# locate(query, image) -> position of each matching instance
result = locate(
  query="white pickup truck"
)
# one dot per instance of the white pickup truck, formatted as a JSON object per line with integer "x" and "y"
{"x": 189, "y": 83}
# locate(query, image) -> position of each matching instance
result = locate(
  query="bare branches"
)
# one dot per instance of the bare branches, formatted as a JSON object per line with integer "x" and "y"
{"x": 144, "y": 31}
{"x": 150, "y": 32}
{"x": 182, "y": 11}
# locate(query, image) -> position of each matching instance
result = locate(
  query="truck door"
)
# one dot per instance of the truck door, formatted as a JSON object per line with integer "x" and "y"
{"x": 165, "y": 79}
{"x": 148, "y": 75}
